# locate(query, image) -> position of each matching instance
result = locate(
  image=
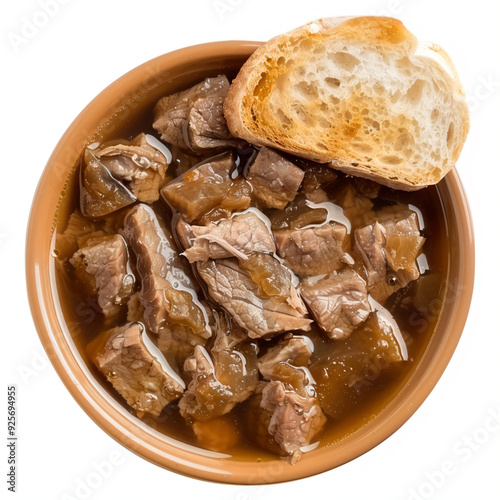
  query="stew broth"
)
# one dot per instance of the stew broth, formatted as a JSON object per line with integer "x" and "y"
{"x": 415, "y": 307}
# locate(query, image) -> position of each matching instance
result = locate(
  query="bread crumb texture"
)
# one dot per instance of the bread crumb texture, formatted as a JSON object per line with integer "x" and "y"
{"x": 360, "y": 93}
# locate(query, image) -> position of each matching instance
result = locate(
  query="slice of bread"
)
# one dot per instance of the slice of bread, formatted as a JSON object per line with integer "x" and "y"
{"x": 359, "y": 93}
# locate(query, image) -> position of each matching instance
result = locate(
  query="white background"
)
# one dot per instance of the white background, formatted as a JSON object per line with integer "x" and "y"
{"x": 47, "y": 80}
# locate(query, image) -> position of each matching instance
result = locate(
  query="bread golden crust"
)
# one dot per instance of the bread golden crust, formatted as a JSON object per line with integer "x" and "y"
{"x": 359, "y": 93}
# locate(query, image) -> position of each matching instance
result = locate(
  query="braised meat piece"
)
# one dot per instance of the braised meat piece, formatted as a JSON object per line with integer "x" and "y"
{"x": 168, "y": 294}
{"x": 285, "y": 412}
{"x": 102, "y": 264}
{"x": 101, "y": 193}
{"x": 202, "y": 188}
{"x": 294, "y": 420}
{"x": 77, "y": 232}
{"x": 233, "y": 288}
{"x": 194, "y": 118}
{"x": 338, "y": 302}
{"x": 275, "y": 179}
{"x": 136, "y": 369}
{"x": 218, "y": 381}
{"x": 389, "y": 249}
{"x": 295, "y": 350}
{"x": 313, "y": 250}
{"x": 239, "y": 236}
{"x": 138, "y": 164}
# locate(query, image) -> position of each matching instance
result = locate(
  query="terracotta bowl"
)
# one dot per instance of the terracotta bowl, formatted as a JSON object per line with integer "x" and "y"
{"x": 134, "y": 90}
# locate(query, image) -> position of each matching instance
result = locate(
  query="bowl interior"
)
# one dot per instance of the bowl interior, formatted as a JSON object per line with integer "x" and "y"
{"x": 130, "y": 94}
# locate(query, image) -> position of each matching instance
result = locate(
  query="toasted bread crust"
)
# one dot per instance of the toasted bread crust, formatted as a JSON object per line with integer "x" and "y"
{"x": 254, "y": 96}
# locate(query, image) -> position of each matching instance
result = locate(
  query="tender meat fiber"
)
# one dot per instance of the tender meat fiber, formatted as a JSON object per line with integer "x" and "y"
{"x": 171, "y": 306}
{"x": 139, "y": 164}
{"x": 235, "y": 290}
{"x": 338, "y": 302}
{"x": 275, "y": 180}
{"x": 136, "y": 371}
{"x": 238, "y": 237}
{"x": 295, "y": 350}
{"x": 194, "y": 119}
{"x": 207, "y": 126}
{"x": 313, "y": 250}
{"x": 201, "y": 189}
{"x": 293, "y": 420}
{"x": 389, "y": 250}
{"x": 101, "y": 193}
{"x": 218, "y": 381}
{"x": 102, "y": 263}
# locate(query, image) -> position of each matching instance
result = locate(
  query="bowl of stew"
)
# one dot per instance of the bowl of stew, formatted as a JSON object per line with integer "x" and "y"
{"x": 234, "y": 313}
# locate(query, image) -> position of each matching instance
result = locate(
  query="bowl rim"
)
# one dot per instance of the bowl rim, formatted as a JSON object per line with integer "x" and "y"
{"x": 139, "y": 438}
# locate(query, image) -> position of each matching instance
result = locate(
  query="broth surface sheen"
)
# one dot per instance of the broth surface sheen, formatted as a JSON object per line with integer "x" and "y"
{"x": 415, "y": 307}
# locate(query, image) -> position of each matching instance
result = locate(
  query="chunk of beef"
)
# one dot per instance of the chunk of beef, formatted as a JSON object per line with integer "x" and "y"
{"x": 313, "y": 250}
{"x": 238, "y": 237}
{"x": 207, "y": 127}
{"x": 292, "y": 420}
{"x": 77, "y": 232}
{"x": 389, "y": 249}
{"x": 275, "y": 180}
{"x": 338, "y": 302}
{"x": 137, "y": 163}
{"x": 171, "y": 306}
{"x": 102, "y": 263}
{"x": 136, "y": 369}
{"x": 202, "y": 188}
{"x": 219, "y": 381}
{"x": 295, "y": 350}
{"x": 194, "y": 119}
{"x": 346, "y": 370}
{"x": 238, "y": 198}
{"x": 101, "y": 193}
{"x": 234, "y": 289}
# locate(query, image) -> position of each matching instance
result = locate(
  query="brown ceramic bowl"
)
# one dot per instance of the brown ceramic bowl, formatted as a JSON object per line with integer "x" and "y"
{"x": 152, "y": 80}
